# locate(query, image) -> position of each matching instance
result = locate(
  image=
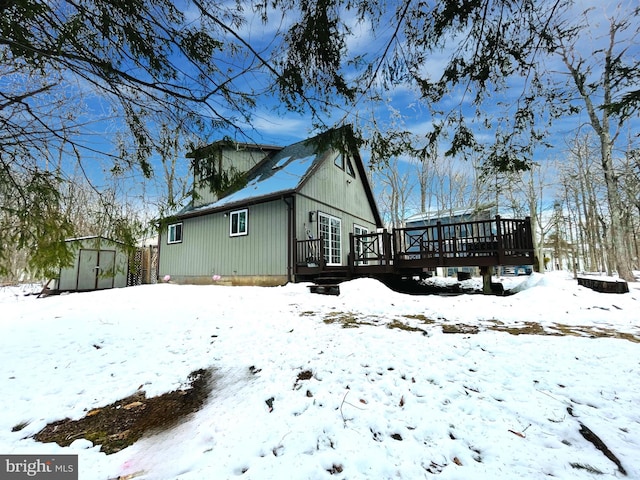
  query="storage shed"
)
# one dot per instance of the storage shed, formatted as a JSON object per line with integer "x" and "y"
{"x": 99, "y": 263}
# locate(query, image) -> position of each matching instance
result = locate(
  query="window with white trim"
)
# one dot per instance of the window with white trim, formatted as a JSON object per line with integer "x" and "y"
{"x": 329, "y": 228}
{"x": 174, "y": 233}
{"x": 238, "y": 223}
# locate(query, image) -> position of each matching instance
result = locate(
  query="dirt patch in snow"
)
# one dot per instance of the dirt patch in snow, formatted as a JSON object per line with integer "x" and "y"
{"x": 122, "y": 423}
{"x": 354, "y": 320}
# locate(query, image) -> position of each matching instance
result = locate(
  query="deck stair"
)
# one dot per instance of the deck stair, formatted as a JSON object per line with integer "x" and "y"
{"x": 327, "y": 284}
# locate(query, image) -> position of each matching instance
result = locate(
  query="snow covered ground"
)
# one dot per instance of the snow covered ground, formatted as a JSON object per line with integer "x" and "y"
{"x": 382, "y": 403}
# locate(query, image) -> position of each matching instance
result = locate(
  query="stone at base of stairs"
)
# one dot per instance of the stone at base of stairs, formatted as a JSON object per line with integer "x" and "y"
{"x": 325, "y": 289}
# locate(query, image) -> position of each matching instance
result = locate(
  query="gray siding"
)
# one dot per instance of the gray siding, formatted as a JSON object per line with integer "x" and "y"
{"x": 207, "y": 249}
{"x": 203, "y": 195}
{"x": 243, "y": 160}
{"x": 337, "y": 188}
{"x": 334, "y": 192}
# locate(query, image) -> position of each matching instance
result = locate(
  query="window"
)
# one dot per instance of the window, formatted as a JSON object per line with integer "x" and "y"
{"x": 330, "y": 231}
{"x": 174, "y": 233}
{"x": 358, "y": 230}
{"x": 363, "y": 246}
{"x": 238, "y": 223}
{"x": 350, "y": 168}
{"x": 345, "y": 164}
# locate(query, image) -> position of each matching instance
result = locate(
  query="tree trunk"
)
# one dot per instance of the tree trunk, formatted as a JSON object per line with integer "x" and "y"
{"x": 601, "y": 127}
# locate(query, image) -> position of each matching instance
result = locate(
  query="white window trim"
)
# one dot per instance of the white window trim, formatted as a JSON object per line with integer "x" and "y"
{"x": 330, "y": 218}
{"x": 246, "y": 223}
{"x": 173, "y": 227}
{"x": 363, "y": 230}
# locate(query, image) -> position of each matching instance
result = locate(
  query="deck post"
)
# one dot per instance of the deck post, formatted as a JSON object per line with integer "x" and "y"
{"x": 440, "y": 243}
{"x": 323, "y": 261}
{"x": 386, "y": 247}
{"x": 500, "y": 245}
{"x": 486, "y": 279}
{"x": 351, "y": 257}
{"x": 296, "y": 252}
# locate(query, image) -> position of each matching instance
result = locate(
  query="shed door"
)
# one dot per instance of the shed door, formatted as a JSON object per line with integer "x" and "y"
{"x": 106, "y": 270}
{"x": 96, "y": 269}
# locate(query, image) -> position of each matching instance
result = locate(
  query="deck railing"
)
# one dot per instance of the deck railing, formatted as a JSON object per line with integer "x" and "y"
{"x": 454, "y": 243}
{"x": 370, "y": 249}
{"x": 494, "y": 241}
{"x": 310, "y": 254}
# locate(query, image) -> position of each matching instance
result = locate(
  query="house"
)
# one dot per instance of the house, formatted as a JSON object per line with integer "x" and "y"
{"x": 459, "y": 230}
{"x": 458, "y": 215}
{"x": 99, "y": 263}
{"x": 447, "y": 216}
{"x": 252, "y": 203}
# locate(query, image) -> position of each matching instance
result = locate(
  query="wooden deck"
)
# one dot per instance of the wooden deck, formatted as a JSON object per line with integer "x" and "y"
{"x": 411, "y": 251}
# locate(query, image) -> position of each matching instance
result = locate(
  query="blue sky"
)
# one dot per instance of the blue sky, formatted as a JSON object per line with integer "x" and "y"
{"x": 271, "y": 125}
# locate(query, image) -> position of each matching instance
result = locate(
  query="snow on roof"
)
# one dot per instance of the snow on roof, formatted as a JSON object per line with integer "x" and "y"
{"x": 76, "y": 239}
{"x": 145, "y": 242}
{"x": 91, "y": 237}
{"x": 447, "y": 213}
{"x": 281, "y": 163}
{"x": 281, "y": 173}
{"x": 283, "y": 180}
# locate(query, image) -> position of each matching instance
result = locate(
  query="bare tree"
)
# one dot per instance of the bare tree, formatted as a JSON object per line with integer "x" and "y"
{"x": 451, "y": 184}
{"x": 582, "y": 181}
{"x": 600, "y": 79}
{"x": 527, "y": 194}
{"x": 425, "y": 172}
{"x": 74, "y": 72}
{"x": 394, "y": 186}
{"x": 630, "y": 180}
{"x": 173, "y": 186}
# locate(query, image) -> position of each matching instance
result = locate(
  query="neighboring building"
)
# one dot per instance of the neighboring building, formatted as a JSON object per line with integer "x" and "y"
{"x": 453, "y": 216}
{"x": 247, "y": 234}
{"x": 459, "y": 215}
{"x": 99, "y": 263}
